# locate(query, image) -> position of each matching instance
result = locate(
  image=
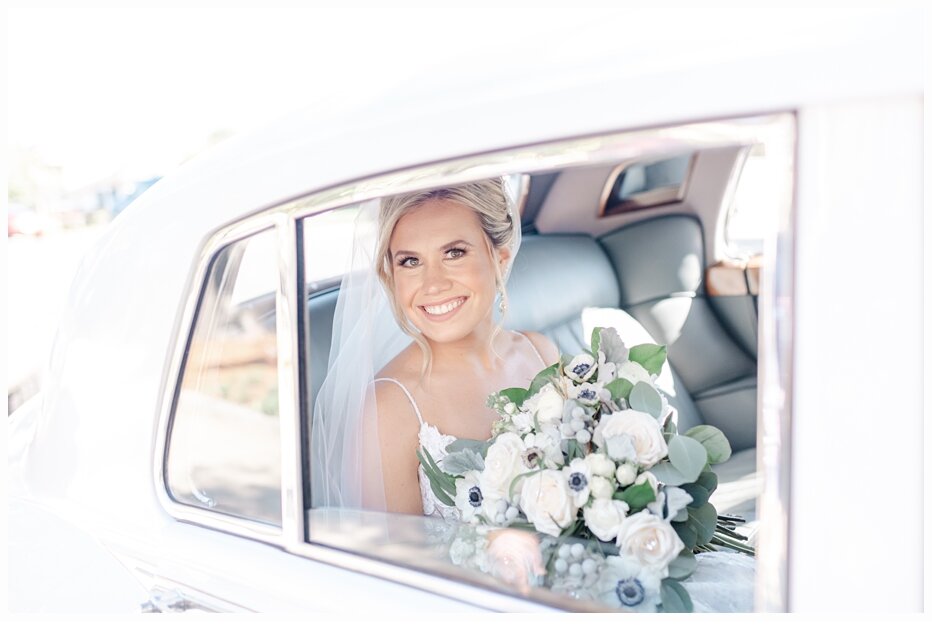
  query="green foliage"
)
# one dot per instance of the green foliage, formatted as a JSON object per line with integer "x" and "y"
{"x": 703, "y": 520}
{"x": 708, "y": 480}
{"x": 714, "y": 441}
{"x": 686, "y": 533}
{"x": 674, "y": 598}
{"x": 543, "y": 377}
{"x": 645, "y": 398}
{"x": 442, "y": 484}
{"x": 594, "y": 341}
{"x": 649, "y": 355}
{"x": 611, "y": 346}
{"x": 517, "y": 395}
{"x": 698, "y": 492}
{"x": 683, "y": 565}
{"x": 620, "y": 388}
{"x": 637, "y": 497}
{"x": 688, "y": 457}
{"x": 462, "y": 444}
{"x": 667, "y": 474}
{"x": 461, "y": 462}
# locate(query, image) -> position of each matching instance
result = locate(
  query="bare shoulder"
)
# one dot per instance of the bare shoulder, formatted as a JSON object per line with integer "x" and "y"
{"x": 394, "y": 407}
{"x": 547, "y": 349}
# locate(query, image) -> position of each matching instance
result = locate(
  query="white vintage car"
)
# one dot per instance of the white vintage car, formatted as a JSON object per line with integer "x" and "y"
{"x": 742, "y": 204}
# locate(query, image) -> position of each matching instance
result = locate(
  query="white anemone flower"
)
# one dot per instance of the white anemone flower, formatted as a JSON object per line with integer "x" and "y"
{"x": 581, "y": 367}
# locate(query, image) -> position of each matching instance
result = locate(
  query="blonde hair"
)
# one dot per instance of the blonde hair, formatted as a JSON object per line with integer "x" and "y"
{"x": 487, "y": 198}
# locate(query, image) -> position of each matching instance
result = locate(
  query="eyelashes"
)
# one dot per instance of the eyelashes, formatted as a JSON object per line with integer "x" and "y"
{"x": 452, "y": 253}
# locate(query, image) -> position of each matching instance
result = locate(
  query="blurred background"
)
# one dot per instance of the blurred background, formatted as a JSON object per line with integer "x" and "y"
{"x": 104, "y": 102}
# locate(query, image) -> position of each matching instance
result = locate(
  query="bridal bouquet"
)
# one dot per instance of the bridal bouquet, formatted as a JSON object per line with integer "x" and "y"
{"x": 590, "y": 458}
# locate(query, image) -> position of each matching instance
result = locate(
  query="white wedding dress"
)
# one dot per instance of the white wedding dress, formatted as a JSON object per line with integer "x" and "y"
{"x": 722, "y": 582}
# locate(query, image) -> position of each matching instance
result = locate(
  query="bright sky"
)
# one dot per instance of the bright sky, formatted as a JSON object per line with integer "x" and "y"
{"x": 100, "y": 91}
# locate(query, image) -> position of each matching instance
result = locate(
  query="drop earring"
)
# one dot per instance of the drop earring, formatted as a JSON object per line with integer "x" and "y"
{"x": 502, "y": 304}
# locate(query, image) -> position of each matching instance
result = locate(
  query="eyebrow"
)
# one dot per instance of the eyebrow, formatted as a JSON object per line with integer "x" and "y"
{"x": 459, "y": 241}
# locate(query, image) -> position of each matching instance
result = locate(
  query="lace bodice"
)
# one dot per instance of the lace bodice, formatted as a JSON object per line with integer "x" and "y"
{"x": 434, "y": 442}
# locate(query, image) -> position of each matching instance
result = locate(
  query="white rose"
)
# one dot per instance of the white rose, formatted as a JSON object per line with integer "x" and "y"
{"x": 649, "y": 540}
{"x": 502, "y": 464}
{"x": 626, "y": 474}
{"x": 581, "y": 367}
{"x": 633, "y": 373}
{"x": 623, "y": 431}
{"x": 546, "y": 501}
{"x": 604, "y": 518}
{"x": 546, "y": 404}
{"x": 599, "y": 464}
{"x": 523, "y": 421}
{"x": 601, "y": 488}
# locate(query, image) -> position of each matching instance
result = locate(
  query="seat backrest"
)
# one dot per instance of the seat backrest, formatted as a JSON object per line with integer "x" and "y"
{"x": 660, "y": 265}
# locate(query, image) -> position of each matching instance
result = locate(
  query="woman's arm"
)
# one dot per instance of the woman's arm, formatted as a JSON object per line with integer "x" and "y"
{"x": 398, "y": 442}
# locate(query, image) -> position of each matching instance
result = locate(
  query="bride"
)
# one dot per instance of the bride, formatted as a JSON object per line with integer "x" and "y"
{"x": 419, "y": 344}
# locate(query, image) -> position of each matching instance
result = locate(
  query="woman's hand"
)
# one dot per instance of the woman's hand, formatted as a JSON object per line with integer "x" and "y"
{"x": 515, "y": 558}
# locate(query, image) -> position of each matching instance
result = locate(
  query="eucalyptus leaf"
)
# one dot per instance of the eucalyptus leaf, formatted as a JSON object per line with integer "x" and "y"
{"x": 708, "y": 480}
{"x": 682, "y": 516}
{"x": 674, "y": 598}
{"x": 637, "y": 497}
{"x": 698, "y": 492}
{"x": 650, "y": 356}
{"x": 682, "y": 566}
{"x": 543, "y": 377}
{"x": 619, "y": 389}
{"x": 594, "y": 340}
{"x": 612, "y": 346}
{"x": 517, "y": 395}
{"x": 688, "y": 456}
{"x": 686, "y": 533}
{"x": 668, "y": 475}
{"x": 645, "y": 398}
{"x": 703, "y": 519}
{"x": 714, "y": 441}
{"x": 461, "y": 462}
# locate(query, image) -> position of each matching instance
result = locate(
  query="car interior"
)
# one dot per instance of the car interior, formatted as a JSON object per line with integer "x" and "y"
{"x": 637, "y": 246}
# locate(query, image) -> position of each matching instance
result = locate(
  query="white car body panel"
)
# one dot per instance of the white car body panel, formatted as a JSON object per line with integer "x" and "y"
{"x": 107, "y": 365}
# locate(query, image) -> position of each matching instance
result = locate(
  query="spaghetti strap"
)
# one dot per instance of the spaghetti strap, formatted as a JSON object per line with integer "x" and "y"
{"x": 532, "y": 346}
{"x": 407, "y": 393}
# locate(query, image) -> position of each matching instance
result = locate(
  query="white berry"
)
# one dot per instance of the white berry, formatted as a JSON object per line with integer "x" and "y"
{"x": 583, "y": 436}
{"x": 588, "y": 566}
{"x": 575, "y": 570}
{"x": 577, "y": 550}
{"x": 560, "y": 565}
{"x": 511, "y": 513}
{"x": 563, "y": 551}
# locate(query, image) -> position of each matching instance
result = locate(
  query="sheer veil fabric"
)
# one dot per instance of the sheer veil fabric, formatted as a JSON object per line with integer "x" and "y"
{"x": 346, "y": 463}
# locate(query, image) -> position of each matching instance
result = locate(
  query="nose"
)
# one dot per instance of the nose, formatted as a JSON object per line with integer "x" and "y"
{"x": 436, "y": 280}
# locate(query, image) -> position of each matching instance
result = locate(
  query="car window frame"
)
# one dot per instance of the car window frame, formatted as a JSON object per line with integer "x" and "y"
{"x": 603, "y": 148}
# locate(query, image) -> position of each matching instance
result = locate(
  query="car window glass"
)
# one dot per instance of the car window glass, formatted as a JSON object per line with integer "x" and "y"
{"x": 757, "y": 199}
{"x": 224, "y": 452}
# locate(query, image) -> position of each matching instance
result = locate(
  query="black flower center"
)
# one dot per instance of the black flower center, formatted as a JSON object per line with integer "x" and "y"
{"x": 630, "y": 592}
{"x": 578, "y": 481}
{"x": 581, "y": 369}
{"x": 475, "y": 496}
{"x": 587, "y": 394}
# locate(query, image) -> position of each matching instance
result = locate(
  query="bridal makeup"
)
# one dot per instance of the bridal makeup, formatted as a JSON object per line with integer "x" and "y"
{"x": 443, "y": 271}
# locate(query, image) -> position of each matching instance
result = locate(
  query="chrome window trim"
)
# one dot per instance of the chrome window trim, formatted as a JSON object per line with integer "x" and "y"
{"x": 613, "y": 147}
{"x": 171, "y": 380}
